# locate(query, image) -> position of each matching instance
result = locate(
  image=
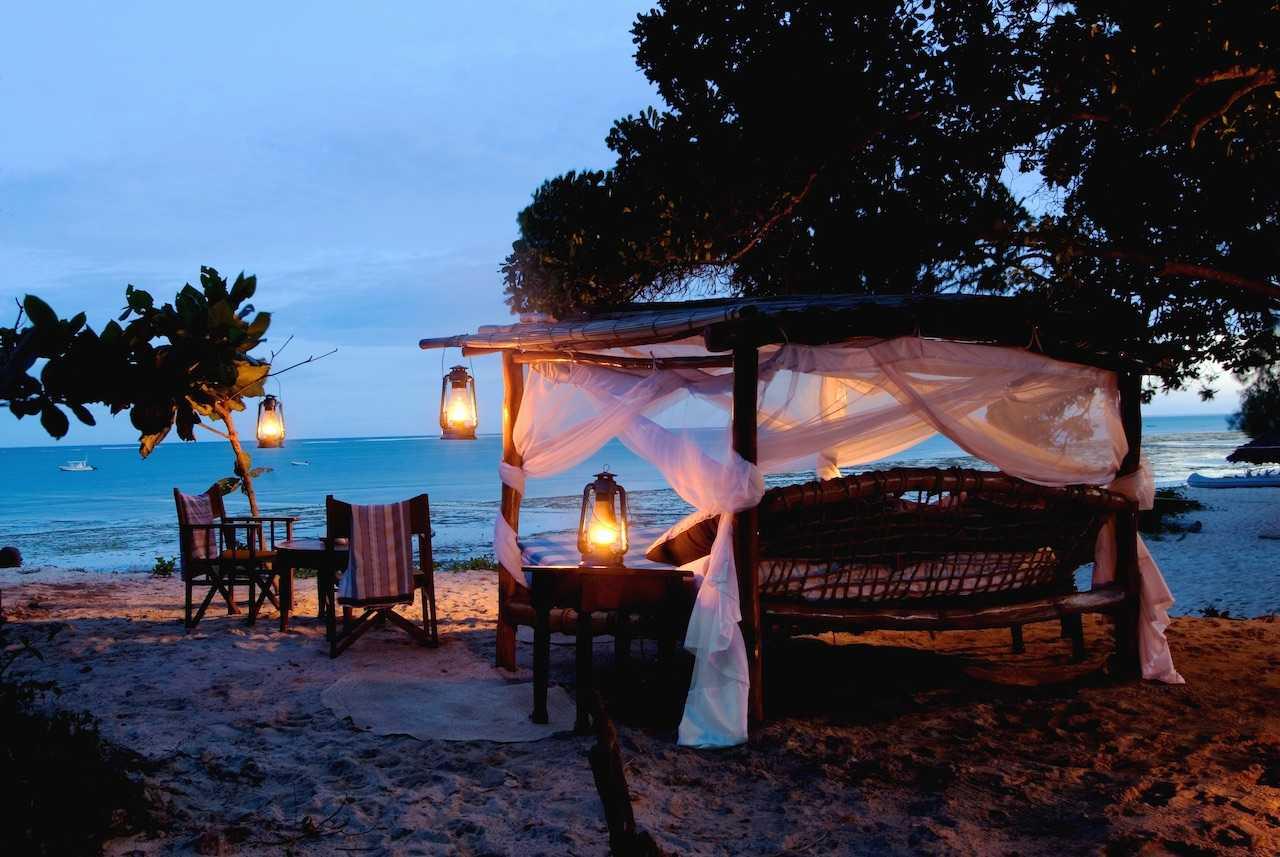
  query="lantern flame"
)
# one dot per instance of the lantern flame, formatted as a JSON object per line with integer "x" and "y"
{"x": 602, "y": 534}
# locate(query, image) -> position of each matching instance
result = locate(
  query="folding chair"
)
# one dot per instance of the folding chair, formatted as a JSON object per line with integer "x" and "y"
{"x": 380, "y": 574}
{"x": 214, "y": 555}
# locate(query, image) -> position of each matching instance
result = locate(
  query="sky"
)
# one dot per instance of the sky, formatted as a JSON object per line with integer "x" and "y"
{"x": 366, "y": 161}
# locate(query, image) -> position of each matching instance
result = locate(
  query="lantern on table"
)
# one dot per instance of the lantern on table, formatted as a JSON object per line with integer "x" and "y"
{"x": 458, "y": 405}
{"x": 602, "y": 526}
{"x": 270, "y": 423}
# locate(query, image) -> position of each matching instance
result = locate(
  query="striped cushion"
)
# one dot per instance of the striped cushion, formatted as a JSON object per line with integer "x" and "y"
{"x": 380, "y": 564}
{"x": 198, "y": 509}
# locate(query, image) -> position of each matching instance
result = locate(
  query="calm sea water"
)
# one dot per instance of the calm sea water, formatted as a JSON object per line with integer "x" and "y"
{"x": 121, "y": 516}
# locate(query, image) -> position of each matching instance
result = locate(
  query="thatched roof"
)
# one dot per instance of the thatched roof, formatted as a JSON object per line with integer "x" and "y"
{"x": 1260, "y": 450}
{"x": 1096, "y": 338}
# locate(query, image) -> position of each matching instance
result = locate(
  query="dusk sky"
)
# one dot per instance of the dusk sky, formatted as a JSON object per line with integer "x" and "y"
{"x": 365, "y": 161}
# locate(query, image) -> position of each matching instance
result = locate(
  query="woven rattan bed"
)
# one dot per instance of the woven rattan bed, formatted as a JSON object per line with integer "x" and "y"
{"x": 930, "y": 549}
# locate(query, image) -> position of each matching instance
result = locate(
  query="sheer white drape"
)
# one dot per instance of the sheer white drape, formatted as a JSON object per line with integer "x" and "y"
{"x": 824, "y": 408}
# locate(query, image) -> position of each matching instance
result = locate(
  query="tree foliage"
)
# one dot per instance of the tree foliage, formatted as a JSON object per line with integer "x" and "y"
{"x": 1089, "y": 151}
{"x": 1259, "y": 412}
{"x": 171, "y": 366}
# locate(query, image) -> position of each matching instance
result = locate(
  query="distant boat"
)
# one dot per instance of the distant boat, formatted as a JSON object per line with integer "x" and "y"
{"x": 1248, "y": 479}
{"x": 80, "y": 466}
{"x": 300, "y": 463}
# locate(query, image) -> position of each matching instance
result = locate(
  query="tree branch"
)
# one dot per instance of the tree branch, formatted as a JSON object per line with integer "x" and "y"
{"x": 1162, "y": 267}
{"x": 1257, "y": 81}
{"x": 310, "y": 359}
{"x": 767, "y": 226}
{"x": 1233, "y": 73}
{"x": 210, "y": 428}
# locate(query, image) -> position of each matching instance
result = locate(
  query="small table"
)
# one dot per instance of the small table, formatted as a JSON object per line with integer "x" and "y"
{"x": 665, "y": 593}
{"x": 308, "y": 553}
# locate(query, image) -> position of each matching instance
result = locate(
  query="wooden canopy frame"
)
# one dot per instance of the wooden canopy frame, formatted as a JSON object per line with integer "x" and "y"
{"x": 734, "y": 330}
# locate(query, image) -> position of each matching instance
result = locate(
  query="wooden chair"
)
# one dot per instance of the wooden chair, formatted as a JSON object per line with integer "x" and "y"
{"x": 338, "y": 526}
{"x": 221, "y": 552}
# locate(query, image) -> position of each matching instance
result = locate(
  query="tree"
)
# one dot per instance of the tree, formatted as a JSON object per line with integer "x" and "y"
{"x": 1259, "y": 412}
{"x": 1091, "y": 151}
{"x": 170, "y": 366}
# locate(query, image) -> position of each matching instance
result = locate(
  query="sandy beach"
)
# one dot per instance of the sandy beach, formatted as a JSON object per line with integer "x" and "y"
{"x": 884, "y": 743}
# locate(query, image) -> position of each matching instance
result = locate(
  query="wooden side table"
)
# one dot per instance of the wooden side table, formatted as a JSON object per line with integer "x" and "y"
{"x": 308, "y": 553}
{"x": 664, "y": 594}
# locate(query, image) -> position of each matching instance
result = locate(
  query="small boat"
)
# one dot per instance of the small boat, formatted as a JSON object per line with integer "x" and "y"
{"x": 298, "y": 463}
{"x": 1248, "y": 479}
{"x": 77, "y": 466}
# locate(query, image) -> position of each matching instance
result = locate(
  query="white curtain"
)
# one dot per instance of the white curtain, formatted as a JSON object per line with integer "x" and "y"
{"x": 823, "y": 408}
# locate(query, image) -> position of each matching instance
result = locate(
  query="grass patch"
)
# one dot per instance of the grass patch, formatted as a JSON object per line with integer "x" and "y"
{"x": 481, "y": 561}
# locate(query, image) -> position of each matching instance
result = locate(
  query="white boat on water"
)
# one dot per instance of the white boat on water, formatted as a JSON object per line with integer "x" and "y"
{"x": 77, "y": 466}
{"x": 299, "y": 463}
{"x": 1248, "y": 479}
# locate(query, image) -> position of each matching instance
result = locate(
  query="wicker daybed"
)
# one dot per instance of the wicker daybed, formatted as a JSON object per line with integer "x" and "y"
{"x": 929, "y": 549}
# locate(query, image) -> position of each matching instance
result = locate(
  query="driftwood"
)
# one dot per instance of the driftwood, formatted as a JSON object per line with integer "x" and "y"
{"x": 625, "y": 839}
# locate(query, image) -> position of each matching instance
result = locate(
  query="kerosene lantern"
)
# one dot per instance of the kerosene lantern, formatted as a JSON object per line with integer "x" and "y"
{"x": 602, "y": 527}
{"x": 270, "y": 429}
{"x": 458, "y": 418}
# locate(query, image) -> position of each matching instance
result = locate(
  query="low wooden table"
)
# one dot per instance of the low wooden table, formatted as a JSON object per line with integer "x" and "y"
{"x": 664, "y": 593}
{"x": 308, "y": 553}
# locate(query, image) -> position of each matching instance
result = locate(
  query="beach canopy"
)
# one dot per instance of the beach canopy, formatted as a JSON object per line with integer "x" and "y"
{"x": 1260, "y": 450}
{"x": 819, "y": 384}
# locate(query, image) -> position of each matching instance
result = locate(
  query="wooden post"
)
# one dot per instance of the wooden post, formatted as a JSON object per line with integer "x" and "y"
{"x": 746, "y": 372}
{"x": 1127, "y": 574}
{"x": 512, "y": 392}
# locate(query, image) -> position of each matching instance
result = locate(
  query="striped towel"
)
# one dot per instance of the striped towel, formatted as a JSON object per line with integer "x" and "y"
{"x": 380, "y": 568}
{"x": 198, "y": 509}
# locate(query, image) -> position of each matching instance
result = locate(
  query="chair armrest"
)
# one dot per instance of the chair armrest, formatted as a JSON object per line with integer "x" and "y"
{"x": 278, "y": 519}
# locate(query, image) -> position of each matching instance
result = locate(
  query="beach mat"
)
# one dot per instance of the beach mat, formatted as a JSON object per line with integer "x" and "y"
{"x": 387, "y": 703}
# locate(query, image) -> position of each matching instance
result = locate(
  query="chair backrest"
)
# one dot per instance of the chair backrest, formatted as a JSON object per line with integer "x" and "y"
{"x": 918, "y": 533}
{"x": 337, "y": 517}
{"x": 206, "y": 508}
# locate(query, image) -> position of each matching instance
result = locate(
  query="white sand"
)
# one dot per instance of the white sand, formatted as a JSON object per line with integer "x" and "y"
{"x": 911, "y": 744}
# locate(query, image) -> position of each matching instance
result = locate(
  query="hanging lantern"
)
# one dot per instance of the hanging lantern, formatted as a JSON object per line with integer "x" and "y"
{"x": 270, "y": 423}
{"x": 458, "y": 405}
{"x": 602, "y": 527}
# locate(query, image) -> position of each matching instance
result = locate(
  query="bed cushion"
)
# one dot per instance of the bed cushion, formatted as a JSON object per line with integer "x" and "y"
{"x": 959, "y": 574}
{"x": 688, "y": 539}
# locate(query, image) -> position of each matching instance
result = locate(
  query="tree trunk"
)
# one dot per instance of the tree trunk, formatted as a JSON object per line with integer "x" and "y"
{"x": 244, "y": 466}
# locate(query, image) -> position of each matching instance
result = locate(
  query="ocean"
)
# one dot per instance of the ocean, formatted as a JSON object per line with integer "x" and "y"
{"x": 121, "y": 515}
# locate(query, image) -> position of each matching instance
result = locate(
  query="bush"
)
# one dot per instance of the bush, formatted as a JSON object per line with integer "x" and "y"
{"x": 69, "y": 789}
{"x": 164, "y": 566}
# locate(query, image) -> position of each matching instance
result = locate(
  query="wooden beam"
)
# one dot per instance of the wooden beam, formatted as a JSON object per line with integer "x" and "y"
{"x": 1127, "y": 572}
{"x": 512, "y": 393}
{"x": 709, "y": 361}
{"x": 746, "y": 546}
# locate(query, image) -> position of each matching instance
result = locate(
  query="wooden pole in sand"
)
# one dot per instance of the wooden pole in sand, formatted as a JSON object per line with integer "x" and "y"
{"x": 746, "y": 549}
{"x": 1127, "y": 573}
{"x": 512, "y": 392}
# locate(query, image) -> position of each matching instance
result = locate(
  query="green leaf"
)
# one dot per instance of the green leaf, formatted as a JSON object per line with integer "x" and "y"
{"x": 225, "y": 485}
{"x": 243, "y": 288}
{"x": 54, "y": 421}
{"x": 258, "y": 327}
{"x": 40, "y": 313}
{"x": 148, "y": 442}
{"x": 250, "y": 377}
{"x": 82, "y": 414}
